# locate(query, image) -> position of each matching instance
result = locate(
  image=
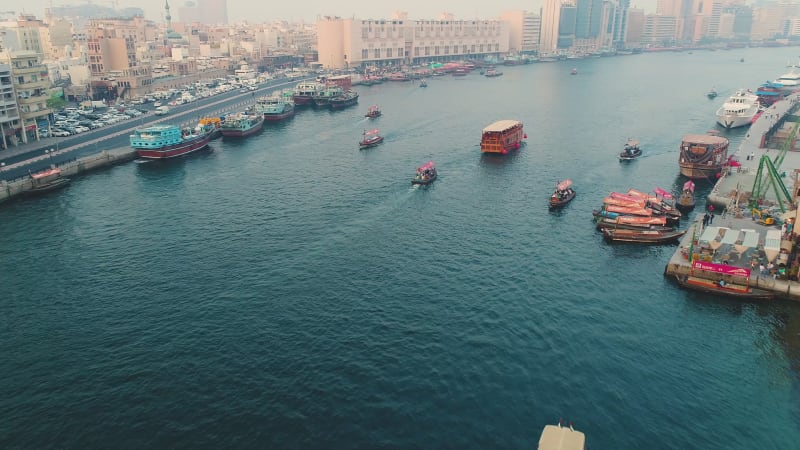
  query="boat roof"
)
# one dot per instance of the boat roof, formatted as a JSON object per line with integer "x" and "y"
{"x": 688, "y": 186}
{"x": 663, "y": 192}
{"x": 375, "y": 131}
{"x": 705, "y": 139}
{"x": 501, "y": 125}
{"x": 564, "y": 185}
{"x": 556, "y": 437}
{"x": 427, "y": 165}
{"x": 46, "y": 173}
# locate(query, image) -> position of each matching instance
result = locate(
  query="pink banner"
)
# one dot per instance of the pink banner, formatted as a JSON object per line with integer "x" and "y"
{"x": 721, "y": 268}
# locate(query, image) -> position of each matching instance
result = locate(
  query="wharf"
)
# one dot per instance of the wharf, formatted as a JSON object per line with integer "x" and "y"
{"x": 731, "y": 196}
{"x": 735, "y": 186}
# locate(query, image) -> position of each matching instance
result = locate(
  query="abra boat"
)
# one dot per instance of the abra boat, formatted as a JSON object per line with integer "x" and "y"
{"x": 242, "y": 125}
{"x": 727, "y": 289}
{"x": 373, "y": 112}
{"x": 370, "y": 139}
{"x": 167, "y": 141}
{"x": 642, "y": 236}
{"x": 348, "y": 98}
{"x": 423, "y": 83}
{"x": 426, "y": 174}
{"x": 562, "y": 195}
{"x": 492, "y": 73}
{"x": 502, "y": 137}
{"x": 275, "y": 107}
{"x": 702, "y": 156}
{"x": 739, "y": 109}
{"x": 686, "y": 200}
{"x": 712, "y": 94}
{"x": 630, "y": 151}
{"x": 46, "y": 181}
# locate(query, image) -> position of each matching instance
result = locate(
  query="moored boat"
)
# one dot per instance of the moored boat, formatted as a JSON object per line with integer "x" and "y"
{"x": 502, "y": 137}
{"x": 370, "y": 139}
{"x": 702, "y": 156}
{"x": 373, "y": 112}
{"x": 562, "y": 195}
{"x": 735, "y": 290}
{"x": 348, "y": 98}
{"x": 686, "y": 200}
{"x": 739, "y": 109}
{"x": 167, "y": 141}
{"x": 242, "y": 125}
{"x": 306, "y": 92}
{"x": 630, "y": 151}
{"x": 426, "y": 174}
{"x": 642, "y": 236}
{"x": 326, "y": 94}
{"x": 275, "y": 107}
{"x": 46, "y": 181}
{"x": 210, "y": 125}
{"x": 615, "y": 224}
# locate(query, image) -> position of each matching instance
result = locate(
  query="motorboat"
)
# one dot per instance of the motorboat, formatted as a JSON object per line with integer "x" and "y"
{"x": 562, "y": 195}
{"x": 370, "y": 139}
{"x": 712, "y": 93}
{"x": 790, "y": 81}
{"x": 739, "y": 109}
{"x": 686, "y": 200}
{"x": 558, "y": 437}
{"x": 426, "y": 174}
{"x": 373, "y": 112}
{"x": 631, "y": 150}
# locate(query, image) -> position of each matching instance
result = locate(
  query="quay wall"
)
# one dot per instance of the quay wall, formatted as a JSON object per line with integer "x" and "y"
{"x": 106, "y": 158}
{"x": 680, "y": 265}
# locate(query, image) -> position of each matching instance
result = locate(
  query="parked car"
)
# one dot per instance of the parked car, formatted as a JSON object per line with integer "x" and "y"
{"x": 57, "y": 132}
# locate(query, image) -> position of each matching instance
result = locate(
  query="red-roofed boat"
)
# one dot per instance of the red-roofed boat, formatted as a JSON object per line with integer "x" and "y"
{"x": 562, "y": 195}
{"x": 426, "y": 174}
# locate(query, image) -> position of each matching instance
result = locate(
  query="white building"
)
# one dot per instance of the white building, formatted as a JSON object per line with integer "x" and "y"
{"x": 343, "y": 43}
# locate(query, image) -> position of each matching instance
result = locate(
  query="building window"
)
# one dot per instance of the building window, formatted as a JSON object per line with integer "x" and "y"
{"x": 377, "y": 53}
{"x": 400, "y": 52}
{"x": 364, "y": 53}
{"x": 388, "y": 53}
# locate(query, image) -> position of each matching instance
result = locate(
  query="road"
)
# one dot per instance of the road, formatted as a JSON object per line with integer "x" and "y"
{"x": 115, "y": 136}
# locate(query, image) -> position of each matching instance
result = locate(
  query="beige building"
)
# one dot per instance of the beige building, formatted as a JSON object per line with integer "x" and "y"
{"x": 551, "y": 15}
{"x": 523, "y": 31}
{"x": 10, "y": 127}
{"x": 344, "y": 43}
{"x": 31, "y": 85}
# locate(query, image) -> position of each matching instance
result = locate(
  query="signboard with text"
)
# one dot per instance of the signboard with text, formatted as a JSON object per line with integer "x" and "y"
{"x": 721, "y": 268}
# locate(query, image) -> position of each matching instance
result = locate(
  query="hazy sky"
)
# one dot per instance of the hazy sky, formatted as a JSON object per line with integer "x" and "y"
{"x": 308, "y": 10}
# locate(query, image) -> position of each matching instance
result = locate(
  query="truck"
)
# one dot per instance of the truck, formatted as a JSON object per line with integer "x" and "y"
{"x": 161, "y": 110}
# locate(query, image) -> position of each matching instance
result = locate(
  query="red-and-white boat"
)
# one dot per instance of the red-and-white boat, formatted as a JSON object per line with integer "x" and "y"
{"x": 370, "y": 139}
{"x": 426, "y": 174}
{"x": 167, "y": 141}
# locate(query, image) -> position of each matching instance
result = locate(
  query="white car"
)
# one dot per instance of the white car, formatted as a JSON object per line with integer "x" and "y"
{"x": 60, "y": 133}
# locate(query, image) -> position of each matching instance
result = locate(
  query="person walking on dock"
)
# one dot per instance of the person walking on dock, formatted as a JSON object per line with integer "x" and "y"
{"x": 711, "y": 218}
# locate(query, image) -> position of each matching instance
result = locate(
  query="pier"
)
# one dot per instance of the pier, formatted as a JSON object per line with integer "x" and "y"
{"x": 740, "y": 237}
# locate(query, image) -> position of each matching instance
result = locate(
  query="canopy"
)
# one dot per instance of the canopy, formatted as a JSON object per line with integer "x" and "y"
{"x": 688, "y": 186}
{"x": 731, "y": 236}
{"x": 427, "y": 166}
{"x": 371, "y": 132}
{"x": 663, "y": 192}
{"x": 45, "y": 173}
{"x": 772, "y": 244}
{"x": 709, "y": 234}
{"x": 564, "y": 185}
{"x": 749, "y": 240}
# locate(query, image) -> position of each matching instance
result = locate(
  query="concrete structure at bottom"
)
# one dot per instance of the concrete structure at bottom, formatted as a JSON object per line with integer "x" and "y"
{"x": 742, "y": 252}
{"x": 106, "y": 158}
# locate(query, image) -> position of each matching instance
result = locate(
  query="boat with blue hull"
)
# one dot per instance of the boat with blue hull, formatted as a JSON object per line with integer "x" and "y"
{"x": 242, "y": 125}
{"x": 167, "y": 141}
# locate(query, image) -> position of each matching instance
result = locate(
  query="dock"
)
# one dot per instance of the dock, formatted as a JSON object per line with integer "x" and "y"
{"x": 739, "y": 240}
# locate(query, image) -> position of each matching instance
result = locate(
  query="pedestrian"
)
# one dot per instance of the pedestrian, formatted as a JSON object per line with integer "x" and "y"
{"x": 705, "y": 219}
{"x": 711, "y": 218}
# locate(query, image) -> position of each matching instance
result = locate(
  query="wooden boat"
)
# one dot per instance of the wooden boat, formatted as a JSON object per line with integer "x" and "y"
{"x": 637, "y": 220}
{"x": 373, "y": 112}
{"x": 562, "y": 195}
{"x": 686, "y": 201}
{"x": 630, "y": 151}
{"x": 605, "y": 222}
{"x": 702, "y": 156}
{"x": 630, "y": 210}
{"x": 426, "y": 174}
{"x": 502, "y": 137}
{"x": 370, "y": 139}
{"x": 619, "y": 202}
{"x": 643, "y": 236}
{"x": 558, "y": 437}
{"x": 42, "y": 187}
{"x": 728, "y": 290}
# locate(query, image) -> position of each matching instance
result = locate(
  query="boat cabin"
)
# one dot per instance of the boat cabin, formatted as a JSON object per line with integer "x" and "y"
{"x": 156, "y": 136}
{"x": 502, "y": 137}
{"x": 557, "y": 437}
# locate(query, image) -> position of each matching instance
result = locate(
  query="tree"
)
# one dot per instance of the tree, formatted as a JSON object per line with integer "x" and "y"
{"x": 56, "y": 102}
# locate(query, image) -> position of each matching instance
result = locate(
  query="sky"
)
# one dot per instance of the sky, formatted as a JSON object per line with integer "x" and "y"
{"x": 309, "y": 10}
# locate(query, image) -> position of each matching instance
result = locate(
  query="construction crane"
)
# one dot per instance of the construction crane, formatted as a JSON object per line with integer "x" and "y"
{"x": 763, "y": 182}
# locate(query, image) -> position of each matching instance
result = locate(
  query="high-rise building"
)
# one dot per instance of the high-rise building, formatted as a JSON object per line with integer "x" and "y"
{"x": 634, "y": 28}
{"x": 548, "y": 39}
{"x": 523, "y": 32}
{"x": 31, "y": 84}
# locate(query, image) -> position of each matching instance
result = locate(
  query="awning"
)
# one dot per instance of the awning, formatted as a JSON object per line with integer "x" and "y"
{"x": 750, "y": 240}
{"x": 772, "y": 244}
{"x": 709, "y": 234}
{"x": 731, "y": 236}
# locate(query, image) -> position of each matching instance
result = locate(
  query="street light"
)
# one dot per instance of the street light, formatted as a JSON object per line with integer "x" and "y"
{"x": 49, "y": 153}
{"x": 2, "y": 166}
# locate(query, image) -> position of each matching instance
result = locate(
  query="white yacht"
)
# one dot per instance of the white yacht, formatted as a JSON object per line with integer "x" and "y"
{"x": 790, "y": 80}
{"x": 738, "y": 110}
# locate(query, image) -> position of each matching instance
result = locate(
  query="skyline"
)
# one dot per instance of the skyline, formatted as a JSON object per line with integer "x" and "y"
{"x": 309, "y": 11}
